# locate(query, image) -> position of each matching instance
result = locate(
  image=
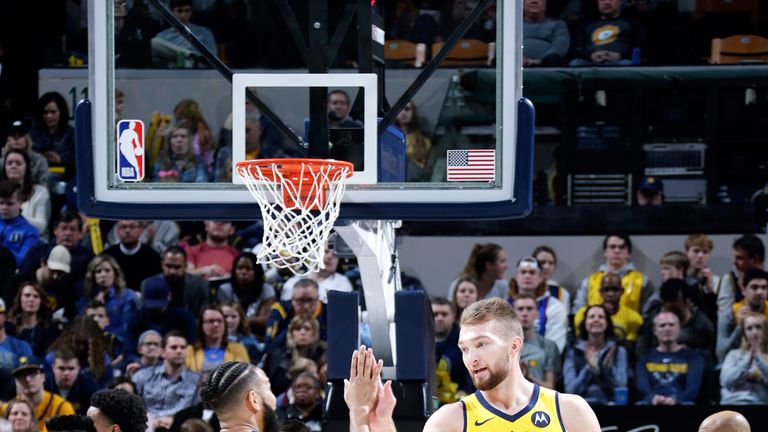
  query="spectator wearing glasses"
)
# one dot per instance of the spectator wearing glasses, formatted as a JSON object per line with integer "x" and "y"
{"x": 150, "y": 343}
{"x": 307, "y": 405}
{"x": 552, "y": 322}
{"x": 30, "y": 378}
{"x": 305, "y": 300}
{"x": 213, "y": 347}
{"x": 328, "y": 279}
{"x": 637, "y": 288}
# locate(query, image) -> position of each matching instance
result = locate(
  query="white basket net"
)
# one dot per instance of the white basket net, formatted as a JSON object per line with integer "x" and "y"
{"x": 299, "y": 203}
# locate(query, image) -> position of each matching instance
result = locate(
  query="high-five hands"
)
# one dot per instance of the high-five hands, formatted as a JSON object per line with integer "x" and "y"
{"x": 370, "y": 403}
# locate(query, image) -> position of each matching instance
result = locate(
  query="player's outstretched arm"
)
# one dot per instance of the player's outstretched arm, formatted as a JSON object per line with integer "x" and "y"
{"x": 449, "y": 418}
{"x": 577, "y": 415}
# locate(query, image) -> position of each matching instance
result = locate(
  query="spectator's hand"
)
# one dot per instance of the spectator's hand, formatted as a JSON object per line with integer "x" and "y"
{"x": 131, "y": 368}
{"x": 151, "y": 230}
{"x": 663, "y": 400}
{"x": 362, "y": 388}
{"x": 531, "y": 61}
{"x": 598, "y": 56}
{"x": 608, "y": 359}
{"x": 611, "y": 56}
{"x": 52, "y": 157}
{"x": 741, "y": 313}
{"x": 214, "y": 270}
{"x": 707, "y": 272}
{"x": 100, "y": 297}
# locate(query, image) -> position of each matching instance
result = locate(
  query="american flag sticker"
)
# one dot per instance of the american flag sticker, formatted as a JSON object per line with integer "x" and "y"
{"x": 471, "y": 165}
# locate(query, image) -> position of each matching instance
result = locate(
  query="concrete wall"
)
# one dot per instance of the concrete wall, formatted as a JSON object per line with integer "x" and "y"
{"x": 437, "y": 260}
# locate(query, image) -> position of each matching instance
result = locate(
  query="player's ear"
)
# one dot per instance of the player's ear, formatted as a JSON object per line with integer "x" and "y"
{"x": 253, "y": 402}
{"x": 516, "y": 344}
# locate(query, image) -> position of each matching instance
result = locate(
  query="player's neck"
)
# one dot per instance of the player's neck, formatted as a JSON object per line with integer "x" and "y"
{"x": 249, "y": 426}
{"x": 512, "y": 394}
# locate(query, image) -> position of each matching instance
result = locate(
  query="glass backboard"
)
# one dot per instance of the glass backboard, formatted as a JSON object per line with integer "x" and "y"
{"x": 181, "y": 111}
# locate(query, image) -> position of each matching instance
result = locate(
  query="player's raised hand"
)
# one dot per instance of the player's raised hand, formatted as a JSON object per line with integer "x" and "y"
{"x": 361, "y": 389}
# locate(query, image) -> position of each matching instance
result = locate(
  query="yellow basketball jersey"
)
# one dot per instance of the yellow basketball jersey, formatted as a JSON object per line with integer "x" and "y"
{"x": 542, "y": 414}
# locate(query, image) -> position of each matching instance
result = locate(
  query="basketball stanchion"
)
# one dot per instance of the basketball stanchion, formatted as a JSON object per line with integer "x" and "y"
{"x": 299, "y": 201}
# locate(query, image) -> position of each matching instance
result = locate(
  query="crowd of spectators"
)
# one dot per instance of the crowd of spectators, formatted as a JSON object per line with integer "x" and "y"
{"x": 625, "y": 341}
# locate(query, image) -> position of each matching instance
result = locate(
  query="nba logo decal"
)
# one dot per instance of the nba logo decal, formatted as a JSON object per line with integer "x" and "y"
{"x": 130, "y": 150}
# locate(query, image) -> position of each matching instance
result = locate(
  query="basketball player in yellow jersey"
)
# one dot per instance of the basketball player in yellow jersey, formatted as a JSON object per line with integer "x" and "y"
{"x": 491, "y": 340}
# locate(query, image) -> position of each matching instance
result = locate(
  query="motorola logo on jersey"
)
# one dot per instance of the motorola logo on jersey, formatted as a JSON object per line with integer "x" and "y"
{"x": 540, "y": 419}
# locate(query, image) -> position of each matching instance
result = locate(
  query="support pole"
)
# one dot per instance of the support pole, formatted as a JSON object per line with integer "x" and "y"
{"x": 373, "y": 243}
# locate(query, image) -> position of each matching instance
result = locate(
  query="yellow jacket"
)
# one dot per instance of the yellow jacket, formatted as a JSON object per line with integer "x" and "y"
{"x": 234, "y": 352}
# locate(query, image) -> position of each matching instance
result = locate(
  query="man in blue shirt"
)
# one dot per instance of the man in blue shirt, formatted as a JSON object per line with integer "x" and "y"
{"x": 671, "y": 373}
{"x": 169, "y": 387}
{"x": 16, "y": 234}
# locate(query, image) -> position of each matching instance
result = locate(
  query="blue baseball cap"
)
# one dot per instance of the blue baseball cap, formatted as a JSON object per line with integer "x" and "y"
{"x": 651, "y": 184}
{"x": 27, "y": 364}
{"x": 155, "y": 295}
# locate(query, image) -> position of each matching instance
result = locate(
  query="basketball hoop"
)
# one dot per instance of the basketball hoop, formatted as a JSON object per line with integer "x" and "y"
{"x": 299, "y": 201}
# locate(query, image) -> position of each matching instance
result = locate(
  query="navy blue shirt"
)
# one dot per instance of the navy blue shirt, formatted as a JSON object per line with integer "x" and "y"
{"x": 676, "y": 374}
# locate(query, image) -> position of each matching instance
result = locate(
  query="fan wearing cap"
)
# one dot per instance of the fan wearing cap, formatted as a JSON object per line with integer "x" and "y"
{"x": 52, "y": 277}
{"x": 18, "y": 139}
{"x": 11, "y": 348}
{"x": 552, "y": 322}
{"x": 68, "y": 232}
{"x": 30, "y": 378}
{"x": 16, "y": 234}
{"x": 157, "y": 313}
{"x": 650, "y": 192}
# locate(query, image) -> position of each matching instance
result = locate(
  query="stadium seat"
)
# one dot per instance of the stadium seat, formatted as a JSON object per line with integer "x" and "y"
{"x": 402, "y": 52}
{"x": 739, "y": 49}
{"x": 468, "y": 52}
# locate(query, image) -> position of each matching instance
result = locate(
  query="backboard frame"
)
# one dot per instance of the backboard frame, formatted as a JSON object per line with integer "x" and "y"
{"x": 511, "y": 197}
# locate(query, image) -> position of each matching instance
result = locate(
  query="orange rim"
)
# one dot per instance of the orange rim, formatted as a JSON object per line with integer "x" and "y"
{"x": 292, "y": 167}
